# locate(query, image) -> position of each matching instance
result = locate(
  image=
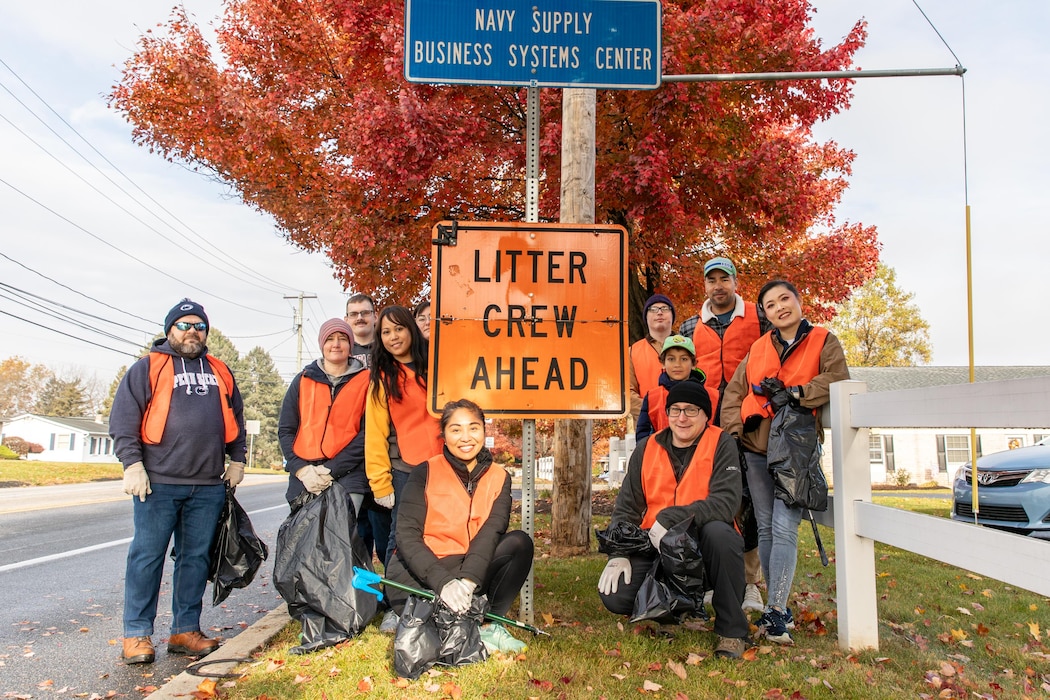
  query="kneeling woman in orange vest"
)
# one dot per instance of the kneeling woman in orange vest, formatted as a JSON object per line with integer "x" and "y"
{"x": 794, "y": 363}
{"x": 451, "y": 529}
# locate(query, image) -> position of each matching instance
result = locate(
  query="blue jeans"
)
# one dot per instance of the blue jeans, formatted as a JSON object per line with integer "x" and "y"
{"x": 399, "y": 479}
{"x": 191, "y": 513}
{"x": 777, "y": 532}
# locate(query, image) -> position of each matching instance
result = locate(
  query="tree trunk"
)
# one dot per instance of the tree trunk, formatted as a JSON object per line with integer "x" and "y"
{"x": 571, "y": 507}
{"x": 571, "y": 498}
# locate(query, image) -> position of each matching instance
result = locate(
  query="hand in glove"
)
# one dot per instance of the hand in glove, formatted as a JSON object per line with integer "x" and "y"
{"x": 778, "y": 394}
{"x": 234, "y": 473}
{"x": 609, "y": 581}
{"x": 386, "y": 501}
{"x": 457, "y": 594}
{"x": 136, "y": 481}
{"x": 656, "y": 533}
{"x": 315, "y": 478}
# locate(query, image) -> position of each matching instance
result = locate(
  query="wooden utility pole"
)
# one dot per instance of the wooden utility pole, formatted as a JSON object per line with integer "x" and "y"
{"x": 571, "y": 502}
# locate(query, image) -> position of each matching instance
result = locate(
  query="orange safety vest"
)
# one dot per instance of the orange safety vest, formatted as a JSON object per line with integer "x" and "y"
{"x": 161, "y": 385}
{"x": 659, "y": 484}
{"x": 453, "y": 515}
{"x": 719, "y": 357}
{"x": 418, "y": 433}
{"x": 657, "y": 407}
{"x": 647, "y": 367}
{"x": 764, "y": 361}
{"x": 326, "y": 426}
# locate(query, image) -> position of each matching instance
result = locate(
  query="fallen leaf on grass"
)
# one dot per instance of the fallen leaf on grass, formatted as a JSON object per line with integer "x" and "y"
{"x": 676, "y": 668}
{"x": 273, "y": 664}
{"x": 694, "y": 659}
{"x": 400, "y": 682}
{"x": 300, "y": 678}
{"x": 205, "y": 689}
{"x": 365, "y": 684}
{"x": 548, "y": 618}
{"x": 543, "y": 685}
{"x": 650, "y": 687}
{"x": 452, "y": 690}
{"x": 618, "y": 676}
{"x": 958, "y": 634}
{"x": 1033, "y": 629}
{"x": 964, "y": 611}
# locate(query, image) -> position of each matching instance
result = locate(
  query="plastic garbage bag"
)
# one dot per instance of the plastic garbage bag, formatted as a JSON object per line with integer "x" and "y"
{"x": 416, "y": 642}
{"x": 429, "y": 633}
{"x": 674, "y": 587}
{"x": 317, "y": 550}
{"x": 793, "y": 455}
{"x": 237, "y": 552}
{"x": 623, "y": 539}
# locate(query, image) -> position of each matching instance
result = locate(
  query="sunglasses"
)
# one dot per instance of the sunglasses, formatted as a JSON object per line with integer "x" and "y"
{"x": 186, "y": 325}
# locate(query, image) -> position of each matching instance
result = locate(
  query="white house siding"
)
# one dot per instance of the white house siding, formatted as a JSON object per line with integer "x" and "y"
{"x": 55, "y": 435}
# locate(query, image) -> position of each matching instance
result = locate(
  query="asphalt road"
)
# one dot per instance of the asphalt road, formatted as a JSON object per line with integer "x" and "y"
{"x": 62, "y": 555}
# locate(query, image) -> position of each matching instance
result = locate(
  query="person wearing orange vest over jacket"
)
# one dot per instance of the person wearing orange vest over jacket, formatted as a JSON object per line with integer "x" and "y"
{"x": 322, "y": 419}
{"x": 679, "y": 362}
{"x": 177, "y": 415}
{"x": 658, "y": 314}
{"x": 399, "y": 432}
{"x": 795, "y": 363}
{"x": 452, "y": 528}
{"x": 688, "y": 470}
{"x": 723, "y": 333}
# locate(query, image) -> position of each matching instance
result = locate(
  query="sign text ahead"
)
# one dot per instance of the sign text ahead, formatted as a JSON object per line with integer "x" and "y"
{"x": 539, "y": 43}
{"x": 530, "y": 320}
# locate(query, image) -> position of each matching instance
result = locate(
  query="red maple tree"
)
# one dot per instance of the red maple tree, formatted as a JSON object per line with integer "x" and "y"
{"x": 305, "y": 112}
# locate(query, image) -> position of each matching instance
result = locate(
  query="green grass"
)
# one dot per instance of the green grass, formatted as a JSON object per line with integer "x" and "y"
{"x": 943, "y": 633}
{"x": 21, "y": 472}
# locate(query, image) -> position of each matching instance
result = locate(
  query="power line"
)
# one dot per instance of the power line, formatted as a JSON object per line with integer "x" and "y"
{"x": 234, "y": 261}
{"x": 49, "y": 279}
{"x": 68, "y": 335}
{"x": 127, "y": 254}
{"x": 70, "y": 308}
{"x": 35, "y": 306}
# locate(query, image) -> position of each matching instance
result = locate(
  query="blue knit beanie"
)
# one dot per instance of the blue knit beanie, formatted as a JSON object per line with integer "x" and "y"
{"x": 184, "y": 308}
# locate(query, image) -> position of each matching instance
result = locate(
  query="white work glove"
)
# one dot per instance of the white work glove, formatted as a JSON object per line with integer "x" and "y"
{"x": 234, "y": 473}
{"x": 656, "y": 533}
{"x": 457, "y": 594}
{"x": 316, "y": 478}
{"x": 136, "y": 481}
{"x": 386, "y": 501}
{"x": 610, "y": 578}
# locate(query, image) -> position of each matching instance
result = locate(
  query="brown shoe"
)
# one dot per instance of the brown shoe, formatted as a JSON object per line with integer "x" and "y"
{"x": 730, "y": 647}
{"x": 192, "y": 643}
{"x": 138, "y": 650}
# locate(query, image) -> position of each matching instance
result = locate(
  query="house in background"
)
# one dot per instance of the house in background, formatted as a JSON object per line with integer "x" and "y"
{"x": 63, "y": 439}
{"x": 920, "y": 456}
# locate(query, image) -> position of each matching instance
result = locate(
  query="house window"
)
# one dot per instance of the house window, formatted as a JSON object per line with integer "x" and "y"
{"x": 63, "y": 442}
{"x": 954, "y": 450}
{"x": 100, "y": 446}
{"x": 880, "y": 451}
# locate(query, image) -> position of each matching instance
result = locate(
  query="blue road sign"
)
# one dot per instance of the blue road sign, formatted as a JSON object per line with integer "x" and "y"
{"x": 534, "y": 43}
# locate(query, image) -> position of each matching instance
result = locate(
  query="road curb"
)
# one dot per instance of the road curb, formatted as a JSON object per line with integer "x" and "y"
{"x": 240, "y": 647}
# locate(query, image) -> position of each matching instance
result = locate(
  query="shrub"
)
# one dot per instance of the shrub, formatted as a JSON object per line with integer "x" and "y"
{"x": 7, "y": 453}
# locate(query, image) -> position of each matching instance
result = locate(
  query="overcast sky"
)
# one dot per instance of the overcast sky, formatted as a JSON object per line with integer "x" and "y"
{"x": 129, "y": 260}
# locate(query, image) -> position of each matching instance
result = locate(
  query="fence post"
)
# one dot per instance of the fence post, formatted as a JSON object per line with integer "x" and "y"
{"x": 854, "y": 555}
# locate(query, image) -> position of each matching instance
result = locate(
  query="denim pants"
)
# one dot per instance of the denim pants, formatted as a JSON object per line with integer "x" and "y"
{"x": 777, "y": 532}
{"x": 191, "y": 514}
{"x": 398, "y": 479}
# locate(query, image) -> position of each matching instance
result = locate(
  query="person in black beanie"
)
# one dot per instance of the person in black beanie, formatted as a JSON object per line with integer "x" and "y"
{"x": 687, "y": 470}
{"x": 177, "y": 418}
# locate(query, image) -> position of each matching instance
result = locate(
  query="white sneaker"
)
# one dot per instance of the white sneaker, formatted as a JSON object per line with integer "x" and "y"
{"x": 752, "y": 599}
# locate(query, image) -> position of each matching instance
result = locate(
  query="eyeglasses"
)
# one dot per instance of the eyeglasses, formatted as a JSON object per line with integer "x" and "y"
{"x": 359, "y": 314}
{"x": 659, "y": 309}
{"x": 675, "y": 411}
{"x": 186, "y": 325}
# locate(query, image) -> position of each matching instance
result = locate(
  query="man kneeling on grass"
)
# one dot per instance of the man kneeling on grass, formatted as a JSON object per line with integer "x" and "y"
{"x": 688, "y": 470}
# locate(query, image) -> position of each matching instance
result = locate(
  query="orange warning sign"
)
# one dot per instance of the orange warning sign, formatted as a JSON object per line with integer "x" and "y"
{"x": 530, "y": 320}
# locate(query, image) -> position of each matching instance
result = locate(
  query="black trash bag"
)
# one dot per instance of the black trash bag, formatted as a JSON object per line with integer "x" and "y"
{"x": 237, "y": 552}
{"x": 461, "y": 634}
{"x": 674, "y": 586}
{"x": 417, "y": 643}
{"x": 317, "y": 550}
{"x": 793, "y": 456}
{"x": 623, "y": 539}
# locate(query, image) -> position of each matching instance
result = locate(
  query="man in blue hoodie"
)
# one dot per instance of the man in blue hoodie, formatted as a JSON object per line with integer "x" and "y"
{"x": 177, "y": 415}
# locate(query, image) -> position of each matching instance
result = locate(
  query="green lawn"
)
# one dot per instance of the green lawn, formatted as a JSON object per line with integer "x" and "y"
{"x": 21, "y": 472}
{"x": 944, "y": 633}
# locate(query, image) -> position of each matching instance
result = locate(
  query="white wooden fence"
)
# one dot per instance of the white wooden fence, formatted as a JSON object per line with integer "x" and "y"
{"x": 1014, "y": 559}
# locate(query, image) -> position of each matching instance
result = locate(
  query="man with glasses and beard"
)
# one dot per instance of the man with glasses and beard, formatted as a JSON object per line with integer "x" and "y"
{"x": 177, "y": 415}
